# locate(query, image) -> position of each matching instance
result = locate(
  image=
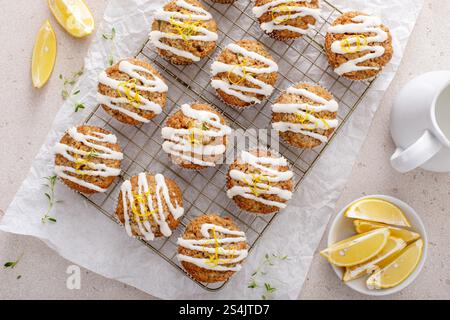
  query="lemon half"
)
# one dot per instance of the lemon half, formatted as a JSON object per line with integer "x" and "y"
{"x": 357, "y": 249}
{"x": 74, "y": 16}
{"x": 44, "y": 55}
{"x": 362, "y": 226}
{"x": 399, "y": 269}
{"x": 377, "y": 210}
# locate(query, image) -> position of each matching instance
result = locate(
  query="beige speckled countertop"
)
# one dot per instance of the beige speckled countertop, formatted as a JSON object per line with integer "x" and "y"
{"x": 27, "y": 115}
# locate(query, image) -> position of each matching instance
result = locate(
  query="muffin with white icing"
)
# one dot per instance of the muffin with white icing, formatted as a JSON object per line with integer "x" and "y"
{"x": 196, "y": 136}
{"x": 132, "y": 91}
{"x": 244, "y": 74}
{"x": 358, "y": 45}
{"x": 305, "y": 115}
{"x": 88, "y": 159}
{"x": 183, "y": 32}
{"x": 287, "y": 19}
{"x": 150, "y": 206}
{"x": 260, "y": 181}
{"x": 212, "y": 249}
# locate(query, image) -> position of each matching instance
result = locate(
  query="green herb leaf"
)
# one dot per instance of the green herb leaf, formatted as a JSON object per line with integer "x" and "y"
{"x": 269, "y": 288}
{"x": 110, "y": 36}
{"x": 79, "y": 106}
{"x": 12, "y": 264}
{"x": 252, "y": 284}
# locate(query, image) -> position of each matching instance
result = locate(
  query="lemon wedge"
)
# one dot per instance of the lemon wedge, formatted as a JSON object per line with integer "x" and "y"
{"x": 362, "y": 226}
{"x": 377, "y": 210}
{"x": 393, "y": 245}
{"x": 44, "y": 55}
{"x": 357, "y": 249}
{"x": 74, "y": 16}
{"x": 399, "y": 269}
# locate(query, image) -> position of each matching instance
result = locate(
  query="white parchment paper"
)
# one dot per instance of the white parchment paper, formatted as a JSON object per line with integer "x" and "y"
{"x": 89, "y": 239}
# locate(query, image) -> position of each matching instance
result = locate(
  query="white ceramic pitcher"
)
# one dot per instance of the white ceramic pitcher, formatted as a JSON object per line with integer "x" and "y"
{"x": 420, "y": 124}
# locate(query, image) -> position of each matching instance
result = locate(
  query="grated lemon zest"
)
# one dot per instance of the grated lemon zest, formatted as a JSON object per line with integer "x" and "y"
{"x": 127, "y": 87}
{"x": 361, "y": 41}
{"x": 185, "y": 29}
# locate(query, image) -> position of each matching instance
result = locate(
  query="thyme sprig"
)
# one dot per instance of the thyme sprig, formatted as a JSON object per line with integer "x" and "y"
{"x": 256, "y": 281}
{"x": 50, "y": 194}
{"x": 69, "y": 82}
{"x": 111, "y": 37}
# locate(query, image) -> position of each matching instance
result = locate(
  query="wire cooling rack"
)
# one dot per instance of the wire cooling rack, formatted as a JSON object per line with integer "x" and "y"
{"x": 204, "y": 191}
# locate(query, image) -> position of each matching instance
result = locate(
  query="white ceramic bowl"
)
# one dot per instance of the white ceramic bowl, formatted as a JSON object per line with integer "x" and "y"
{"x": 342, "y": 228}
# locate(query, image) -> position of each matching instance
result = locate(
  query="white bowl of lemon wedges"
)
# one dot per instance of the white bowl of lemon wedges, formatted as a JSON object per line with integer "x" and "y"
{"x": 377, "y": 245}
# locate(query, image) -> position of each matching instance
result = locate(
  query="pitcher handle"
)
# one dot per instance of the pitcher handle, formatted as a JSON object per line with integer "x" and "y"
{"x": 417, "y": 154}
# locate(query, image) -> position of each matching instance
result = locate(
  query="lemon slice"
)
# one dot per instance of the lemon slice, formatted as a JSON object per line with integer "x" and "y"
{"x": 399, "y": 269}
{"x": 377, "y": 210}
{"x": 393, "y": 245}
{"x": 44, "y": 55}
{"x": 357, "y": 249}
{"x": 74, "y": 16}
{"x": 365, "y": 226}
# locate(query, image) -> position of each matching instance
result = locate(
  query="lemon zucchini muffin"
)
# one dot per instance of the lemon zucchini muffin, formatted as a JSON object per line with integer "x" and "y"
{"x": 196, "y": 136}
{"x": 88, "y": 159}
{"x": 358, "y": 45}
{"x": 183, "y": 32}
{"x": 132, "y": 91}
{"x": 244, "y": 74}
{"x": 305, "y": 115}
{"x": 287, "y": 19}
{"x": 260, "y": 181}
{"x": 212, "y": 249}
{"x": 150, "y": 206}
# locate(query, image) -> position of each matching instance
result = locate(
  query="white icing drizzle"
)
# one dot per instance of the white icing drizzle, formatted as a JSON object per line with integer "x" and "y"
{"x": 154, "y": 85}
{"x": 305, "y": 111}
{"x": 239, "y": 91}
{"x": 179, "y": 145}
{"x": 263, "y": 186}
{"x": 202, "y": 246}
{"x": 95, "y": 169}
{"x": 293, "y": 12}
{"x": 362, "y": 24}
{"x": 202, "y": 34}
{"x": 147, "y": 206}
